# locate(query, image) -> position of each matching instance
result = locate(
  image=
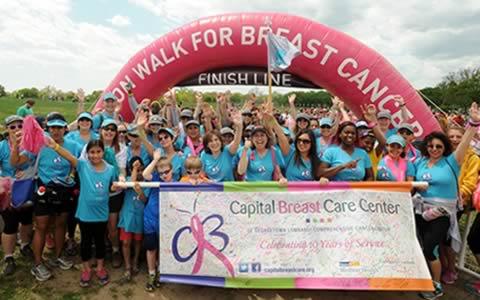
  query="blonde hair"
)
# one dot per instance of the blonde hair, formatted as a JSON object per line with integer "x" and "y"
{"x": 164, "y": 162}
{"x": 193, "y": 162}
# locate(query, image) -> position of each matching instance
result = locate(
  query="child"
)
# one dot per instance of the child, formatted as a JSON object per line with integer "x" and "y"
{"x": 193, "y": 171}
{"x": 160, "y": 169}
{"x": 96, "y": 178}
{"x": 131, "y": 218}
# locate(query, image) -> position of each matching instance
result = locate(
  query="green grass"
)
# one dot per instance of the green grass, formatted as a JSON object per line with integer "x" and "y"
{"x": 9, "y": 105}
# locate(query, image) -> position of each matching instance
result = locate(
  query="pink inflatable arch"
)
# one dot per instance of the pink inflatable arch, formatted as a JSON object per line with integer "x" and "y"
{"x": 330, "y": 59}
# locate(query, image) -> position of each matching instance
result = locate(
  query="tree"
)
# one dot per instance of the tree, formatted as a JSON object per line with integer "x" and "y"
{"x": 3, "y": 93}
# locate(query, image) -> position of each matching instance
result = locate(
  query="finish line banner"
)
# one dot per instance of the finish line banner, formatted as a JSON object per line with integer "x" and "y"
{"x": 358, "y": 236}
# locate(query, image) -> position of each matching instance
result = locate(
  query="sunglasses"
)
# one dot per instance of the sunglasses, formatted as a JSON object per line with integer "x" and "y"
{"x": 122, "y": 132}
{"x": 133, "y": 135}
{"x": 193, "y": 172}
{"x": 164, "y": 172}
{"x": 84, "y": 119}
{"x": 437, "y": 146}
{"x": 163, "y": 137}
{"x": 111, "y": 129}
{"x": 13, "y": 127}
{"x": 304, "y": 141}
{"x": 326, "y": 126}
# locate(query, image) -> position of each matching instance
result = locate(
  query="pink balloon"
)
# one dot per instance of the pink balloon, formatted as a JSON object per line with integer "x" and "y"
{"x": 330, "y": 59}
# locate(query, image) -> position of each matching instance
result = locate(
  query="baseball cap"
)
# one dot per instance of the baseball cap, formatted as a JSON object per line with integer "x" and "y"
{"x": 384, "y": 114}
{"x": 167, "y": 130}
{"x": 302, "y": 116}
{"x": 405, "y": 126}
{"x": 396, "y": 139}
{"x": 227, "y": 130}
{"x": 108, "y": 122}
{"x": 109, "y": 96}
{"x": 186, "y": 113}
{"x": 192, "y": 122}
{"x": 325, "y": 121}
{"x": 156, "y": 120}
{"x": 13, "y": 118}
{"x": 259, "y": 128}
{"x": 361, "y": 124}
{"x": 85, "y": 115}
{"x": 56, "y": 123}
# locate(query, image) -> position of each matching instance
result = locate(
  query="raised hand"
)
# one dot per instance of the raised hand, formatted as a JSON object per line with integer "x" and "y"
{"x": 236, "y": 117}
{"x": 291, "y": 99}
{"x": 399, "y": 100}
{"x": 248, "y": 144}
{"x": 369, "y": 112}
{"x": 199, "y": 97}
{"x": 157, "y": 154}
{"x": 142, "y": 118}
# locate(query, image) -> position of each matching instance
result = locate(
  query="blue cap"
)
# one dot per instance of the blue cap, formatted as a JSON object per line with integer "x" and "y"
{"x": 85, "y": 115}
{"x": 132, "y": 130}
{"x": 325, "y": 121}
{"x": 167, "y": 130}
{"x": 396, "y": 139}
{"x": 56, "y": 123}
{"x": 109, "y": 96}
{"x": 109, "y": 121}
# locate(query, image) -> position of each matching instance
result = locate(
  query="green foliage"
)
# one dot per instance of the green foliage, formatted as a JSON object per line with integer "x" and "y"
{"x": 457, "y": 90}
{"x": 3, "y": 93}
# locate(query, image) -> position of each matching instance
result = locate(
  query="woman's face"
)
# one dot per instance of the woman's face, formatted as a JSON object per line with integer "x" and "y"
{"x": 313, "y": 124}
{"x": 56, "y": 132}
{"x": 367, "y": 143}
{"x": 122, "y": 133}
{"x": 348, "y": 136}
{"x": 384, "y": 122}
{"x": 227, "y": 139}
{"x": 154, "y": 128}
{"x": 435, "y": 148}
{"x": 14, "y": 127}
{"x": 260, "y": 140}
{"x": 326, "y": 130}
{"x": 304, "y": 143}
{"x": 215, "y": 144}
{"x": 407, "y": 135}
{"x": 109, "y": 132}
{"x": 134, "y": 140}
{"x": 395, "y": 150}
{"x": 193, "y": 131}
{"x": 84, "y": 124}
{"x": 95, "y": 155}
{"x": 455, "y": 137}
{"x": 303, "y": 124}
{"x": 165, "y": 140}
{"x": 165, "y": 173}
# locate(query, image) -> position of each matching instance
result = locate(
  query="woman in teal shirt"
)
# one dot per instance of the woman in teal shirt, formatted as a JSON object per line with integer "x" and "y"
{"x": 344, "y": 161}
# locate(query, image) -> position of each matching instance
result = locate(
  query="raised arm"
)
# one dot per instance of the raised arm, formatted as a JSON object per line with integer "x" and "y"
{"x": 291, "y": 103}
{"x": 370, "y": 115}
{"x": 17, "y": 159}
{"x": 147, "y": 173}
{"x": 238, "y": 125}
{"x": 474, "y": 123}
{"x": 282, "y": 140}
{"x": 142, "y": 120}
{"x": 243, "y": 163}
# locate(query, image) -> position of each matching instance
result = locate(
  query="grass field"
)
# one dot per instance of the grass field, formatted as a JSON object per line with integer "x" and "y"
{"x": 9, "y": 105}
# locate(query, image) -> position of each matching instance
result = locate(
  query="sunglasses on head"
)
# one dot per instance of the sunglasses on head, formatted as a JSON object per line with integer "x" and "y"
{"x": 304, "y": 141}
{"x": 164, "y": 172}
{"x": 193, "y": 172}
{"x": 13, "y": 127}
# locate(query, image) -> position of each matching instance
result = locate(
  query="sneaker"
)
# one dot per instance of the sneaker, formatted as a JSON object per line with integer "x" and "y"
{"x": 26, "y": 251}
{"x": 62, "y": 262}
{"x": 85, "y": 278}
{"x": 157, "y": 281}
{"x": 473, "y": 288}
{"x": 449, "y": 277}
{"x": 150, "y": 286}
{"x": 102, "y": 276}
{"x": 10, "y": 266}
{"x": 437, "y": 293}
{"x": 41, "y": 272}
{"x": 49, "y": 241}
{"x": 116, "y": 259}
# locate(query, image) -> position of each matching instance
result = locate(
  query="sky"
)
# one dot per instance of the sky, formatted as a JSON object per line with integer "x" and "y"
{"x": 84, "y": 43}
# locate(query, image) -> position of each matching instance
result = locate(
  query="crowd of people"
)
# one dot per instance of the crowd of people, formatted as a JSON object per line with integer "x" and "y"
{"x": 77, "y": 168}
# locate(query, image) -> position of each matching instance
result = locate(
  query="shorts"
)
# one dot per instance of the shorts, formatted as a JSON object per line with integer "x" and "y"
{"x": 13, "y": 217}
{"x": 150, "y": 241}
{"x": 54, "y": 201}
{"x": 128, "y": 236}
{"x": 115, "y": 203}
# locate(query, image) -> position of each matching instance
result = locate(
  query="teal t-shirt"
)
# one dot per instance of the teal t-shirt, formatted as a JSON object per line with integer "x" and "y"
{"x": 385, "y": 174}
{"x": 94, "y": 192}
{"x": 335, "y": 156}
{"x": 260, "y": 168}
{"x": 441, "y": 177}
{"x": 131, "y": 215}
{"x": 218, "y": 168}
{"x": 51, "y": 165}
{"x": 301, "y": 171}
{"x": 75, "y": 136}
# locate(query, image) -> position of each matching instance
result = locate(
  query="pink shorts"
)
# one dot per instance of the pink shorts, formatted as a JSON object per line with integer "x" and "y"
{"x": 128, "y": 236}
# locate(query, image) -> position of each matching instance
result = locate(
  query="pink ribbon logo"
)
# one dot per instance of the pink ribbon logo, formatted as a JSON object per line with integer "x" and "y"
{"x": 198, "y": 232}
